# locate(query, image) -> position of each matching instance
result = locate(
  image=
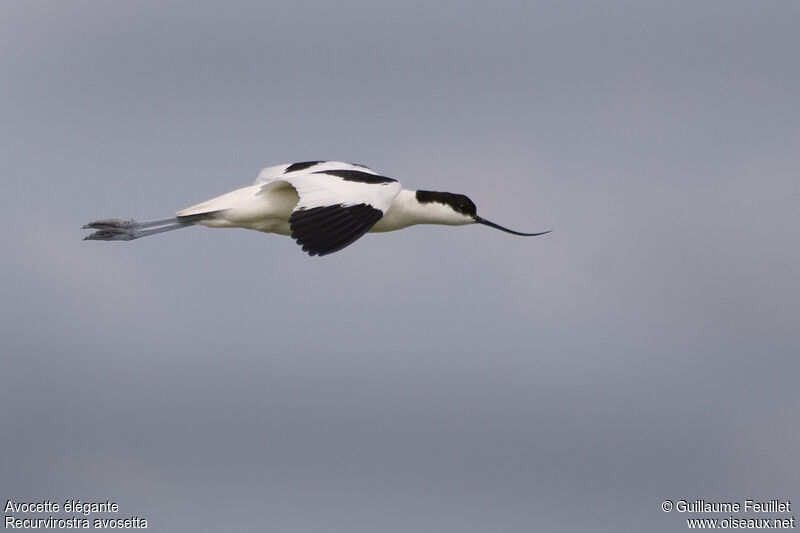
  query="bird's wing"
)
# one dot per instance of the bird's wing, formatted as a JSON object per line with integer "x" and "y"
{"x": 339, "y": 202}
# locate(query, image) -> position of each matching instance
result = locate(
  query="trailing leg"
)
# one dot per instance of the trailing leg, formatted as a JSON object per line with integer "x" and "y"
{"x": 115, "y": 229}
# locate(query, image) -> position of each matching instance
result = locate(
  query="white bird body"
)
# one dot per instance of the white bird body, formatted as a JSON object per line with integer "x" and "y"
{"x": 248, "y": 208}
{"x": 323, "y": 205}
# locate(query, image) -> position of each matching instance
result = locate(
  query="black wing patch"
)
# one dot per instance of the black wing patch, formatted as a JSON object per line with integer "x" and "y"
{"x": 324, "y": 230}
{"x": 301, "y": 166}
{"x": 357, "y": 175}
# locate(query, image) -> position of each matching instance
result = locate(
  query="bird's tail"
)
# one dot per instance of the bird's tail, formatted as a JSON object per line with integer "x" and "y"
{"x": 115, "y": 229}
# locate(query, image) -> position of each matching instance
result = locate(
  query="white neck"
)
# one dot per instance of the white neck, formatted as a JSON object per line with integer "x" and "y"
{"x": 406, "y": 211}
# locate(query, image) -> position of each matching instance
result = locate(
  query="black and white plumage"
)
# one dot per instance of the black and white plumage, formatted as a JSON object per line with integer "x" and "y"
{"x": 324, "y": 205}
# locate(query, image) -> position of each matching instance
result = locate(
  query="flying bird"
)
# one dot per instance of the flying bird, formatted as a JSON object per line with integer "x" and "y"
{"x": 324, "y": 206}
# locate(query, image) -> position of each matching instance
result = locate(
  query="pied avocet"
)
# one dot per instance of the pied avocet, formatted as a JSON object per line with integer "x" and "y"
{"x": 323, "y": 205}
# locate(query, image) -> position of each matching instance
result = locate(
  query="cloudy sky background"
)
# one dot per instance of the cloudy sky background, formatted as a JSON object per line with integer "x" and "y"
{"x": 434, "y": 379}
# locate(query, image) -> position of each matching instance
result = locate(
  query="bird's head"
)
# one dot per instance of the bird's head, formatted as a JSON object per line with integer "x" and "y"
{"x": 457, "y": 209}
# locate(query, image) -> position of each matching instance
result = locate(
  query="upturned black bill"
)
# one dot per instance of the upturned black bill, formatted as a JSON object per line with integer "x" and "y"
{"x": 485, "y": 222}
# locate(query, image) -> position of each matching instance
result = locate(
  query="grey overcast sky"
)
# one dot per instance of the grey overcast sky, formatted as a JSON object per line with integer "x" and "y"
{"x": 433, "y": 379}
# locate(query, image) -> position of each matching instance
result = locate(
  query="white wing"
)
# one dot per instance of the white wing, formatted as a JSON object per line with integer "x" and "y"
{"x": 339, "y": 202}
